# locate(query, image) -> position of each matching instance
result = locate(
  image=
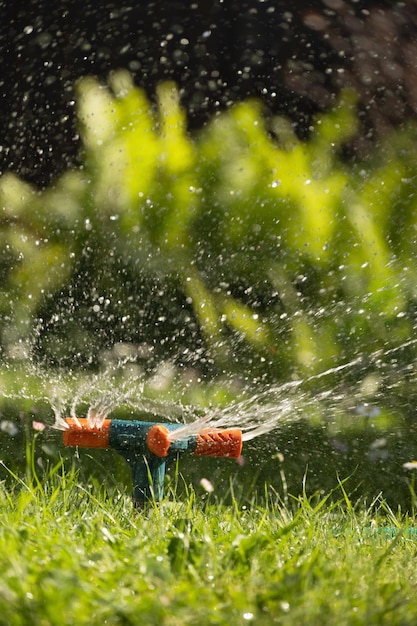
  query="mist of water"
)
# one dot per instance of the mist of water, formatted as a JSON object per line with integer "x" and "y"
{"x": 256, "y": 413}
{"x": 266, "y": 410}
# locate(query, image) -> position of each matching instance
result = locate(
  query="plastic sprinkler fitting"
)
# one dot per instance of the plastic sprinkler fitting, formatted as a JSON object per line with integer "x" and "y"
{"x": 147, "y": 447}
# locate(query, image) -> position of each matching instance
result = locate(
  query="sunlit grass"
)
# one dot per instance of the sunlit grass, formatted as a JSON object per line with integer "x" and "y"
{"x": 73, "y": 553}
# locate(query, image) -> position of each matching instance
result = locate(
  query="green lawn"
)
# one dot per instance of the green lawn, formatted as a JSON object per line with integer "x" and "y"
{"x": 72, "y": 553}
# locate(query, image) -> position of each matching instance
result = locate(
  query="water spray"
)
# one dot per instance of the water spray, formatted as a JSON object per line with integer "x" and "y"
{"x": 148, "y": 447}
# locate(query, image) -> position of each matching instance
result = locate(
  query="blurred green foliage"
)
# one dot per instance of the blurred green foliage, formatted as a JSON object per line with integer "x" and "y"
{"x": 242, "y": 249}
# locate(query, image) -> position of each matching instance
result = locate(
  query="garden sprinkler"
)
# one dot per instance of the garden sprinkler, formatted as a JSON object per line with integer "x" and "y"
{"x": 148, "y": 447}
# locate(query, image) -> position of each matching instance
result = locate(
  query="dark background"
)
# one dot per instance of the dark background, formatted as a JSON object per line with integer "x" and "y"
{"x": 295, "y": 56}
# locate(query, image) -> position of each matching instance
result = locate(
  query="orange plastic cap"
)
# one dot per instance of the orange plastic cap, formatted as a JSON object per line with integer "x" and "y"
{"x": 84, "y": 436}
{"x": 158, "y": 440}
{"x": 222, "y": 442}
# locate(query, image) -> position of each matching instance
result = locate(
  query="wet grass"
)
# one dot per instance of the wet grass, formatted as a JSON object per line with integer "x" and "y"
{"x": 72, "y": 553}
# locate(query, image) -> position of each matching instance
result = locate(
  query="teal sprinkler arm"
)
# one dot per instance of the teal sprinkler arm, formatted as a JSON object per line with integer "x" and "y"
{"x": 147, "y": 448}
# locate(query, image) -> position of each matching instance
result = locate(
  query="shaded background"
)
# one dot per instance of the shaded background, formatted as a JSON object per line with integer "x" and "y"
{"x": 295, "y": 57}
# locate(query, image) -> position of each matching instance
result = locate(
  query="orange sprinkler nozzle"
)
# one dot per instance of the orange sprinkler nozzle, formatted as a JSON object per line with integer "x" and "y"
{"x": 158, "y": 440}
{"x": 222, "y": 443}
{"x": 208, "y": 442}
{"x": 85, "y": 436}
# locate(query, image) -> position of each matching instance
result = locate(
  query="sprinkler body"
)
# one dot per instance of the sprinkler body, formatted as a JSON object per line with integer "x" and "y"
{"x": 147, "y": 448}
